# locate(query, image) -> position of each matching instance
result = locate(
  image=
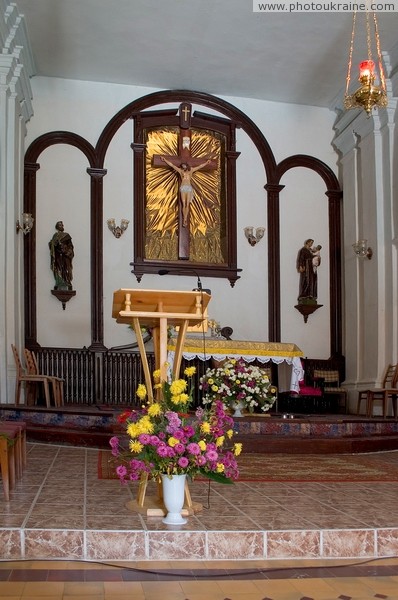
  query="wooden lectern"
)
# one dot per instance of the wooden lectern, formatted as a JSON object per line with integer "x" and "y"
{"x": 159, "y": 309}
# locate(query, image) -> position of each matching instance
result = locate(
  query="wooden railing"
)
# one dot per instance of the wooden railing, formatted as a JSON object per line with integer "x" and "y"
{"x": 76, "y": 367}
{"x": 122, "y": 372}
{"x": 97, "y": 378}
{"x": 112, "y": 377}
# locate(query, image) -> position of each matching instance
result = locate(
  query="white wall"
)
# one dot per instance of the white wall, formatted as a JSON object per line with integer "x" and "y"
{"x": 63, "y": 194}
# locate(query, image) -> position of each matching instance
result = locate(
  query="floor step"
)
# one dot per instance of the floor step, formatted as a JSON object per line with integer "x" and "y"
{"x": 92, "y": 426}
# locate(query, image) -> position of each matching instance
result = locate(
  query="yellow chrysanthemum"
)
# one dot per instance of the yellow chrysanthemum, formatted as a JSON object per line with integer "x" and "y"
{"x": 172, "y": 441}
{"x": 220, "y": 468}
{"x": 230, "y": 433}
{"x": 202, "y": 445}
{"x": 178, "y": 386}
{"x": 156, "y": 374}
{"x": 133, "y": 430}
{"x": 141, "y": 391}
{"x": 135, "y": 446}
{"x": 157, "y": 386}
{"x": 214, "y": 388}
{"x": 210, "y": 381}
{"x": 180, "y": 399}
{"x": 237, "y": 449}
{"x": 190, "y": 371}
{"x": 145, "y": 424}
{"x": 266, "y": 378}
{"x": 154, "y": 409}
{"x": 220, "y": 440}
{"x": 205, "y": 427}
{"x": 237, "y": 382}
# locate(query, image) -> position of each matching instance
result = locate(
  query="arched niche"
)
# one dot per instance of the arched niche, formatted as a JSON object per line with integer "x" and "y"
{"x": 273, "y": 176}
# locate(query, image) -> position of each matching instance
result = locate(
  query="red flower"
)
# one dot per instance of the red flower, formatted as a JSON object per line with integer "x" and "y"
{"x": 122, "y": 418}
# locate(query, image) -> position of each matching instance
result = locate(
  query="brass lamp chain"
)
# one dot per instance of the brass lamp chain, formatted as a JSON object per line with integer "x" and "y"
{"x": 368, "y": 39}
{"x": 348, "y": 78}
{"x": 379, "y": 58}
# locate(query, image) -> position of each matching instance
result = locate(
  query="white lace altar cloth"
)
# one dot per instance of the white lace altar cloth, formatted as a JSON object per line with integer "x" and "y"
{"x": 220, "y": 349}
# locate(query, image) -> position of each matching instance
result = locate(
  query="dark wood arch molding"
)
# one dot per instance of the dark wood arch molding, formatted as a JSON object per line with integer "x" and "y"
{"x": 334, "y": 195}
{"x": 96, "y": 160}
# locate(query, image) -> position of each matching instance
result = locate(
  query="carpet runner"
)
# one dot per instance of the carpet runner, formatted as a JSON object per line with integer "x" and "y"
{"x": 381, "y": 467}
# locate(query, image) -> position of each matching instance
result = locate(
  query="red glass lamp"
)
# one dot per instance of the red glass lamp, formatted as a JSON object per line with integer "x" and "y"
{"x": 366, "y": 71}
{"x": 369, "y": 96}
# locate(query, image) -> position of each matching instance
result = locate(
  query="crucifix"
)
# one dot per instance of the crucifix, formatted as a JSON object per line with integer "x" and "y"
{"x": 185, "y": 165}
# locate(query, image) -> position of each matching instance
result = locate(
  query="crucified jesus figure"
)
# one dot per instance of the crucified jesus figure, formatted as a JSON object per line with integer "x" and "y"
{"x": 186, "y": 189}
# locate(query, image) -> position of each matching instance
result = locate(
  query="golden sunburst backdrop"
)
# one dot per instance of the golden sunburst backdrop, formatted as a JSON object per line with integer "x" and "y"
{"x": 162, "y": 198}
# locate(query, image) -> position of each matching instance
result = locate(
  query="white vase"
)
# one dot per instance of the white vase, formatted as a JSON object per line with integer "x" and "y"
{"x": 173, "y": 498}
{"x": 237, "y": 406}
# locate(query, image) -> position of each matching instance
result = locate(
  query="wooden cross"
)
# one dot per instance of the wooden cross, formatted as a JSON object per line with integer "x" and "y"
{"x": 184, "y": 157}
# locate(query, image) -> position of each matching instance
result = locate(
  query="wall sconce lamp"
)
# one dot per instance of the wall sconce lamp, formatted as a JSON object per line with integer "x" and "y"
{"x": 362, "y": 250}
{"x": 116, "y": 230}
{"x": 27, "y": 223}
{"x": 254, "y": 237}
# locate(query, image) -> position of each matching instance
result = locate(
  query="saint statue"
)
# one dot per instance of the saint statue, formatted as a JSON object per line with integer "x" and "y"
{"x": 61, "y": 253}
{"x": 308, "y": 261}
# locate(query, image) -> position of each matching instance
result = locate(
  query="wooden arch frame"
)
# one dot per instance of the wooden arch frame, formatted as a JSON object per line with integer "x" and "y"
{"x": 148, "y": 120}
{"x": 96, "y": 158}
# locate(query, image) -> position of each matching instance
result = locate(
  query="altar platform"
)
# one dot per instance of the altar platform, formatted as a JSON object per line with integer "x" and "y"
{"x": 289, "y": 433}
{"x": 62, "y": 509}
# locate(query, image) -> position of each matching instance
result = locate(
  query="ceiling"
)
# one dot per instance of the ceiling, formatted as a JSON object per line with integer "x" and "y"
{"x": 216, "y": 46}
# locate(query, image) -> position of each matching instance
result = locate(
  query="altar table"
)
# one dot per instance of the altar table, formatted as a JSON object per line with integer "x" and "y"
{"x": 220, "y": 349}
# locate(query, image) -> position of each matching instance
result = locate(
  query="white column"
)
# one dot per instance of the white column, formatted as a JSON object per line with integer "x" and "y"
{"x": 15, "y": 110}
{"x": 366, "y": 149}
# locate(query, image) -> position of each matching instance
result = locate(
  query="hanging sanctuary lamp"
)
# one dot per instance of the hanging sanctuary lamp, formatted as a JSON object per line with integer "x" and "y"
{"x": 372, "y": 93}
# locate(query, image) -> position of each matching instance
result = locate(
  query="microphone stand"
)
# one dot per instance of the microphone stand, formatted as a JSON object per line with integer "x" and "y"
{"x": 199, "y": 287}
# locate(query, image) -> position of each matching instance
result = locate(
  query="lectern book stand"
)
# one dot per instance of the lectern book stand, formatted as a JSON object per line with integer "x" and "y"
{"x": 159, "y": 309}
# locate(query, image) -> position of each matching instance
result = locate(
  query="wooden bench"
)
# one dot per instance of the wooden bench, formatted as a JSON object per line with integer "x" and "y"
{"x": 13, "y": 455}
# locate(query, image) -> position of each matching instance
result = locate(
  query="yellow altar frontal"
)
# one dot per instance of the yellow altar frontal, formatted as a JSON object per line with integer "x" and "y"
{"x": 220, "y": 349}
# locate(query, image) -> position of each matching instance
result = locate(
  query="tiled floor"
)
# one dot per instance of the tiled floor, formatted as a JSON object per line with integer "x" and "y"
{"x": 208, "y": 581}
{"x": 252, "y": 541}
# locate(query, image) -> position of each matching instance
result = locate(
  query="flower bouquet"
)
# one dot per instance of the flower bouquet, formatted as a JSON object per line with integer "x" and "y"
{"x": 163, "y": 438}
{"x": 238, "y": 381}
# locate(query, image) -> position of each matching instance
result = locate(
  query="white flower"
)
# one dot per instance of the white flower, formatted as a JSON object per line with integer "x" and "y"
{"x": 237, "y": 378}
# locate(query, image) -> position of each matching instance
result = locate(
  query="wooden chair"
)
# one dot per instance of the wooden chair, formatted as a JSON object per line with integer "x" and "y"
{"x": 329, "y": 380}
{"x": 56, "y": 382}
{"x": 32, "y": 382}
{"x": 308, "y": 400}
{"x": 388, "y": 390}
